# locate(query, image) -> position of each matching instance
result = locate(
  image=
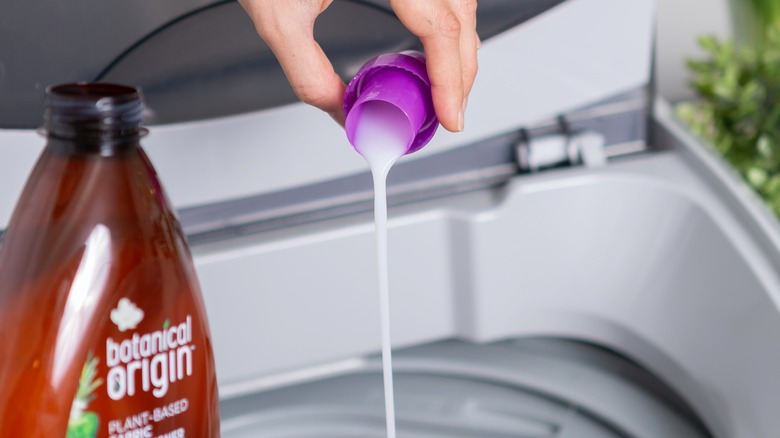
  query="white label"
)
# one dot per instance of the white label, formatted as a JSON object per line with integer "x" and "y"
{"x": 149, "y": 362}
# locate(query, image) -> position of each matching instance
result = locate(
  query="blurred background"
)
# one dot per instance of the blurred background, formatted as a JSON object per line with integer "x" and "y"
{"x": 679, "y": 24}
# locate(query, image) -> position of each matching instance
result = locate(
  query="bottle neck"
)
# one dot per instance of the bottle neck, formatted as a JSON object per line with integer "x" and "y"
{"x": 93, "y": 147}
{"x": 93, "y": 118}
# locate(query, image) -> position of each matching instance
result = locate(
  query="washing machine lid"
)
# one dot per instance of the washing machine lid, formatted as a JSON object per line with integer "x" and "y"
{"x": 561, "y": 60}
{"x": 194, "y": 59}
{"x": 573, "y": 55}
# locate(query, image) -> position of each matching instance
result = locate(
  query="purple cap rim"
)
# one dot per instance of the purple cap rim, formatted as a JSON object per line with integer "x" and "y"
{"x": 410, "y": 61}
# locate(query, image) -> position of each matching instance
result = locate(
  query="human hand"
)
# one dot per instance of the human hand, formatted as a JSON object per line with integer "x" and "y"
{"x": 448, "y": 32}
{"x": 446, "y": 28}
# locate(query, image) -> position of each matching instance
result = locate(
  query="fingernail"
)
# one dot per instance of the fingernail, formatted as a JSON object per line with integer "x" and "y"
{"x": 462, "y": 114}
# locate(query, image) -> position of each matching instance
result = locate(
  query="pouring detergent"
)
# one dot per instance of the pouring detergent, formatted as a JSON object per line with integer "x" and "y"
{"x": 389, "y": 113}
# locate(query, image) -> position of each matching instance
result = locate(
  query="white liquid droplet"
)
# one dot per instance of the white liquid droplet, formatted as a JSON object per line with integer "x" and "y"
{"x": 382, "y": 135}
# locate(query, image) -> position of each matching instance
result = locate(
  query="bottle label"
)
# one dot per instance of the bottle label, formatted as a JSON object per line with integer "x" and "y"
{"x": 136, "y": 375}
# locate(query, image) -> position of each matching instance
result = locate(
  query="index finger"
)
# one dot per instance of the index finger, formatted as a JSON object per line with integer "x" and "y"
{"x": 288, "y": 29}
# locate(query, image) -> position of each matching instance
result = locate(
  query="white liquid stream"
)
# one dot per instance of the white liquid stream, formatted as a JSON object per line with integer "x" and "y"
{"x": 381, "y": 137}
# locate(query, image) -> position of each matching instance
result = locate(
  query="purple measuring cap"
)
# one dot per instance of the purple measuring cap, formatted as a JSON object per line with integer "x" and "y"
{"x": 398, "y": 79}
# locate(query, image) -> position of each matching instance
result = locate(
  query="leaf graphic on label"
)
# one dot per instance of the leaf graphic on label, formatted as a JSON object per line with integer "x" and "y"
{"x": 127, "y": 315}
{"x": 166, "y": 324}
{"x": 84, "y": 424}
{"x": 85, "y": 427}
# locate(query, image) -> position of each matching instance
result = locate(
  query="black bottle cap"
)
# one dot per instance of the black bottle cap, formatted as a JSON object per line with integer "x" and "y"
{"x": 93, "y": 111}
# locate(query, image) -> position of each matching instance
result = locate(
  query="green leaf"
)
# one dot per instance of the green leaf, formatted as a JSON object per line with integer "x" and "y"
{"x": 709, "y": 43}
{"x": 764, "y": 146}
{"x": 724, "y": 90}
{"x": 757, "y": 176}
{"x": 772, "y": 187}
{"x": 738, "y": 110}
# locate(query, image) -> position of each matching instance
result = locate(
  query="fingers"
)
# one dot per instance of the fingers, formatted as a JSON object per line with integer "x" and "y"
{"x": 442, "y": 49}
{"x": 447, "y": 30}
{"x": 311, "y": 75}
{"x": 469, "y": 43}
{"x": 288, "y": 29}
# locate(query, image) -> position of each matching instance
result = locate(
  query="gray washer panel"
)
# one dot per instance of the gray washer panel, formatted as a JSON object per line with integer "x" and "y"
{"x": 524, "y": 388}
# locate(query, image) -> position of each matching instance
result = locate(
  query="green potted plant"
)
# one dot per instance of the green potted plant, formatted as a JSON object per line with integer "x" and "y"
{"x": 738, "y": 85}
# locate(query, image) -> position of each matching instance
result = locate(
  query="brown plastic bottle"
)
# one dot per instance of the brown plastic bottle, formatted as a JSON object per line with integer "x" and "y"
{"x": 103, "y": 330}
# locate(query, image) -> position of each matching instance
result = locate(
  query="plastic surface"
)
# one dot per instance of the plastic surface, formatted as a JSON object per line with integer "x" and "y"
{"x": 399, "y": 79}
{"x": 101, "y": 315}
{"x": 528, "y": 388}
{"x": 648, "y": 256}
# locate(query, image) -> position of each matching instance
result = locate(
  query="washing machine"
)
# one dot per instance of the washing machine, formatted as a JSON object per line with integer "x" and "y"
{"x": 574, "y": 264}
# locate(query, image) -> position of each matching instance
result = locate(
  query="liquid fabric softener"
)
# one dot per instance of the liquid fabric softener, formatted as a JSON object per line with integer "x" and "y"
{"x": 389, "y": 113}
{"x": 103, "y": 330}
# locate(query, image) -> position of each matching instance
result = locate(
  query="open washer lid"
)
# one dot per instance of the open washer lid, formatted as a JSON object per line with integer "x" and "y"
{"x": 531, "y": 388}
{"x": 193, "y": 59}
{"x": 531, "y": 71}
